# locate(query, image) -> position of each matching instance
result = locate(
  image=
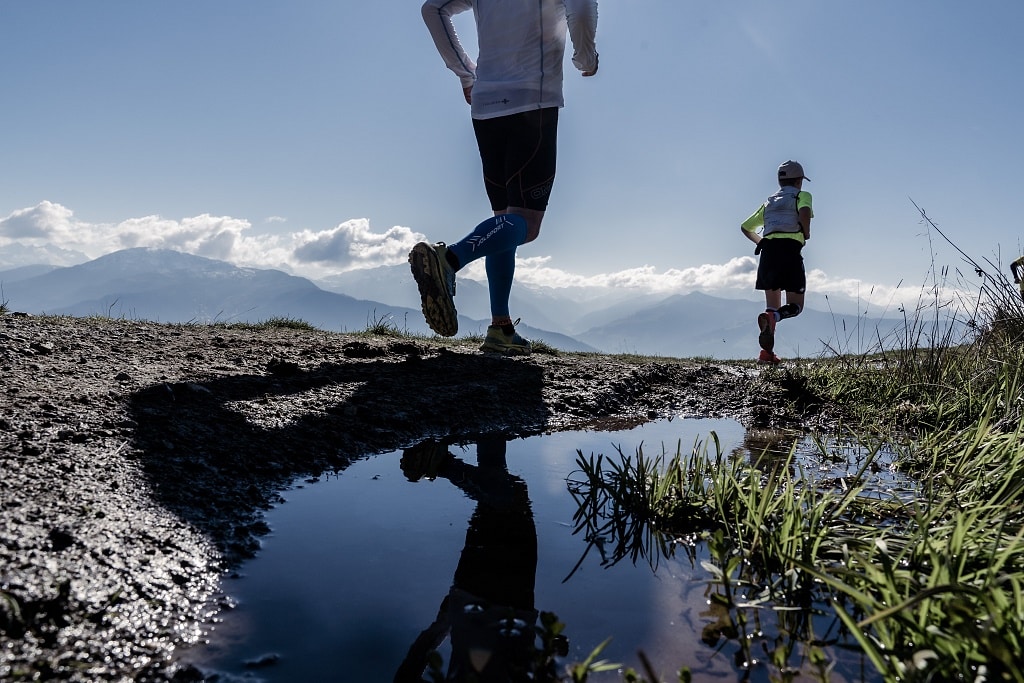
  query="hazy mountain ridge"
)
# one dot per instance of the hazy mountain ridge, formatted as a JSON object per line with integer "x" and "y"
{"x": 169, "y": 286}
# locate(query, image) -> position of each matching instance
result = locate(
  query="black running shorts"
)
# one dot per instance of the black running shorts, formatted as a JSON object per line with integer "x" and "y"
{"x": 518, "y": 155}
{"x": 781, "y": 265}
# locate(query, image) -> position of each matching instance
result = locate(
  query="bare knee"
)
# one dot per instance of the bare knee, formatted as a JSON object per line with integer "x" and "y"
{"x": 533, "y": 220}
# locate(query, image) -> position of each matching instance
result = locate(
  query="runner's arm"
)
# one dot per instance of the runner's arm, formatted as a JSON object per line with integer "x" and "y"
{"x": 750, "y": 226}
{"x": 751, "y": 235}
{"x": 581, "y": 17}
{"x": 805, "y": 212}
{"x": 437, "y": 15}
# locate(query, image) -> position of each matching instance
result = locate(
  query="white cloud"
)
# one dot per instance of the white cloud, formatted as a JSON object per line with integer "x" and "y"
{"x": 352, "y": 245}
{"x": 355, "y": 245}
{"x": 50, "y": 223}
{"x": 46, "y": 221}
{"x": 728, "y": 279}
{"x": 736, "y": 273}
{"x": 210, "y": 236}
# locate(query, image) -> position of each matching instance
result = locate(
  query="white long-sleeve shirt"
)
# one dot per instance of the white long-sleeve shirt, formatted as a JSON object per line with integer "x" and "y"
{"x": 521, "y": 49}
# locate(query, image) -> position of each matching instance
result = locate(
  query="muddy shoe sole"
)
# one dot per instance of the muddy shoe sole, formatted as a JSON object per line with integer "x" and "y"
{"x": 767, "y": 336}
{"x": 436, "y": 301}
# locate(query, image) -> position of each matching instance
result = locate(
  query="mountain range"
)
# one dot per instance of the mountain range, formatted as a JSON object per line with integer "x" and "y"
{"x": 168, "y": 286}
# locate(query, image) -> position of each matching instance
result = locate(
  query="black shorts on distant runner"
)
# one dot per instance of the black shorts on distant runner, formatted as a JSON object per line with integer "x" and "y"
{"x": 781, "y": 265}
{"x": 518, "y": 154}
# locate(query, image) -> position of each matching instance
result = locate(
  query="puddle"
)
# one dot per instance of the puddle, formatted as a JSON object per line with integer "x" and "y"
{"x": 366, "y": 571}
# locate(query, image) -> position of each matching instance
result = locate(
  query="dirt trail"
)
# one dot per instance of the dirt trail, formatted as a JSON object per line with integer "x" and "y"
{"x": 137, "y": 458}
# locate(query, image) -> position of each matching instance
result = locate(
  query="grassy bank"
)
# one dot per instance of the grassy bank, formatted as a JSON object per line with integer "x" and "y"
{"x": 928, "y": 587}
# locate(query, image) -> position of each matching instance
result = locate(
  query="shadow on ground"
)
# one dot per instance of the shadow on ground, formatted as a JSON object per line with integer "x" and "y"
{"x": 217, "y": 452}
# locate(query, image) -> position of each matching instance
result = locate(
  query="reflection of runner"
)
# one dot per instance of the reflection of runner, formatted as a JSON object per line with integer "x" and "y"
{"x": 489, "y": 610}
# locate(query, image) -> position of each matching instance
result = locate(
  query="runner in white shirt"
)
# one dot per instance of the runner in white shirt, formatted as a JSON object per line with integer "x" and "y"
{"x": 515, "y": 91}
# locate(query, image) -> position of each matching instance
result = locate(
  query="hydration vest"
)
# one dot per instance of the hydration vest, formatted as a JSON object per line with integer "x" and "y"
{"x": 780, "y": 212}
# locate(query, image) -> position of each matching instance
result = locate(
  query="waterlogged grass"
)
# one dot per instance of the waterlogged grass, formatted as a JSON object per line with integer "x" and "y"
{"x": 804, "y": 570}
{"x": 760, "y": 523}
{"x": 807, "y": 572}
{"x": 941, "y": 595}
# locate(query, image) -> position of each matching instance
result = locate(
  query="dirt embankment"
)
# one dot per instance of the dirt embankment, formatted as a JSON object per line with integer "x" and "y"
{"x": 137, "y": 459}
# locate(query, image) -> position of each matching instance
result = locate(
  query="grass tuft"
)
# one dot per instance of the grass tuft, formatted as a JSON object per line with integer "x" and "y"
{"x": 276, "y": 323}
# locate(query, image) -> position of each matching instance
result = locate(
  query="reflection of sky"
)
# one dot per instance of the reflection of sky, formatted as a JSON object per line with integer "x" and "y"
{"x": 357, "y": 565}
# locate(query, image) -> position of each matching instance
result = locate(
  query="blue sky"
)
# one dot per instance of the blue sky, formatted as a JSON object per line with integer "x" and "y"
{"x": 322, "y": 135}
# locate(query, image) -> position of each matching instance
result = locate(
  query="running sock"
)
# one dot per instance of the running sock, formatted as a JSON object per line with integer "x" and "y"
{"x": 789, "y": 311}
{"x": 450, "y": 257}
{"x": 773, "y": 312}
{"x": 493, "y": 236}
{"x": 501, "y": 268}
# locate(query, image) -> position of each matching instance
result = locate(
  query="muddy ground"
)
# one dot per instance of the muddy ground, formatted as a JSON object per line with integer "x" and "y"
{"x": 137, "y": 459}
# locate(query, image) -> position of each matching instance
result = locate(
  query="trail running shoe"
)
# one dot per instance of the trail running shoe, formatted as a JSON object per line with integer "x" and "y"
{"x": 424, "y": 460}
{"x": 766, "y": 323}
{"x": 497, "y": 341}
{"x": 435, "y": 279}
{"x": 768, "y": 358}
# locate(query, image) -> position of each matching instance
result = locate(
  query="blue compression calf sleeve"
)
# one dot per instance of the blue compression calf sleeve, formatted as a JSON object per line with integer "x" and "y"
{"x": 493, "y": 236}
{"x": 501, "y": 268}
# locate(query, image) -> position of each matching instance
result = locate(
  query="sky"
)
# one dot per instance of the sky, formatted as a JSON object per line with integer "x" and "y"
{"x": 326, "y": 135}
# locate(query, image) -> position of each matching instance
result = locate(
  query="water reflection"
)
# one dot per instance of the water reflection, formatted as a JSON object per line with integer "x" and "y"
{"x": 766, "y": 526}
{"x": 489, "y": 611}
{"x": 618, "y": 511}
{"x": 768, "y": 447}
{"x": 367, "y": 576}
